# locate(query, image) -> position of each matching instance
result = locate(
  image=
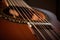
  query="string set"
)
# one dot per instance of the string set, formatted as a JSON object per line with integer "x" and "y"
{"x": 22, "y": 4}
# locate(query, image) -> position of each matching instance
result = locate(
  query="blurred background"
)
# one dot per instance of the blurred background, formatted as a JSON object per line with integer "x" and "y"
{"x": 50, "y": 5}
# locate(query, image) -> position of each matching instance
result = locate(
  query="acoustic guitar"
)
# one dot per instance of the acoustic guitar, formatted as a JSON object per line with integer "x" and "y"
{"x": 19, "y": 21}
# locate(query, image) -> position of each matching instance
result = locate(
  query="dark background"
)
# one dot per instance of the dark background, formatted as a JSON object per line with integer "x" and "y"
{"x": 45, "y": 4}
{"x": 50, "y": 5}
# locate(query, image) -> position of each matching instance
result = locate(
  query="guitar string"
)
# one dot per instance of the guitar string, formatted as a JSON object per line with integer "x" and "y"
{"x": 42, "y": 20}
{"x": 16, "y": 10}
{"x": 54, "y": 32}
{"x": 20, "y": 3}
{"x": 35, "y": 27}
{"x": 56, "y": 35}
{"x": 26, "y": 9}
{"x": 47, "y": 33}
{"x": 30, "y": 10}
{"x": 45, "y": 19}
{"x": 29, "y": 16}
{"x": 22, "y": 6}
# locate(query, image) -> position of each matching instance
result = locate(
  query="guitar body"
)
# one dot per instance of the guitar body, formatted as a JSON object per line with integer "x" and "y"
{"x": 18, "y": 31}
{"x": 14, "y": 31}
